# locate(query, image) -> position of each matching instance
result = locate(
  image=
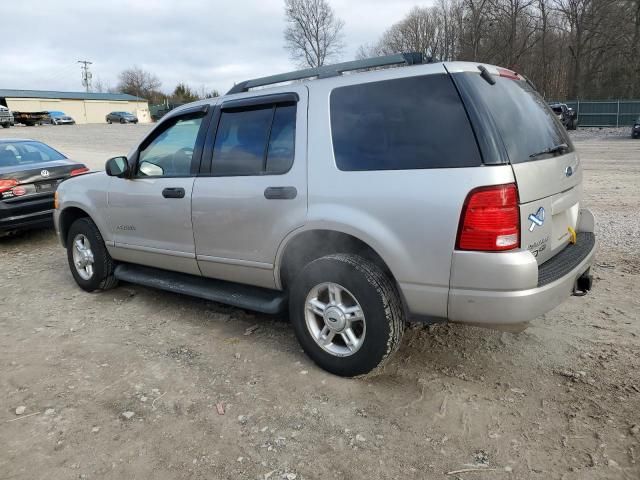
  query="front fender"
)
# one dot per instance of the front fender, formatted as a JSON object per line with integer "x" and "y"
{"x": 89, "y": 194}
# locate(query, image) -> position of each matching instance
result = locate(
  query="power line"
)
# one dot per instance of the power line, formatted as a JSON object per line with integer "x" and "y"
{"x": 86, "y": 74}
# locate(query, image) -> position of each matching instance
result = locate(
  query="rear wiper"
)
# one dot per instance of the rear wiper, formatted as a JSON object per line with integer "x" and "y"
{"x": 562, "y": 147}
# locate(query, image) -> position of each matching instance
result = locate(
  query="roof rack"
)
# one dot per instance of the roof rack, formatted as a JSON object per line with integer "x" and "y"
{"x": 412, "y": 58}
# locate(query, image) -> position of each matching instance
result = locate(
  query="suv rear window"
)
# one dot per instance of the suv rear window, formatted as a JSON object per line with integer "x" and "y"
{"x": 526, "y": 123}
{"x": 400, "y": 124}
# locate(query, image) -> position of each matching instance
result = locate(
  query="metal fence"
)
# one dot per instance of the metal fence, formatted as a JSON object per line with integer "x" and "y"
{"x": 605, "y": 113}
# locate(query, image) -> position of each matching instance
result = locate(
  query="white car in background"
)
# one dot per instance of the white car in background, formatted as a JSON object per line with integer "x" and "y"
{"x": 60, "y": 118}
{"x": 6, "y": 117}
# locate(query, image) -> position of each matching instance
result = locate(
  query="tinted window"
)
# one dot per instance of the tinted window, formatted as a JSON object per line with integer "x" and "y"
{"x": 170, "y": 153}
{"x": 282, "y": 140}
{"x": 407, "y": 123}
{"x": 254, "y": 141}
{"x": 525, "y": 122}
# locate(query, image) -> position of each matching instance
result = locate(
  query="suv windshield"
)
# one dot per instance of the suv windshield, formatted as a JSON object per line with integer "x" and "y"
{"x": 528, "y": 127}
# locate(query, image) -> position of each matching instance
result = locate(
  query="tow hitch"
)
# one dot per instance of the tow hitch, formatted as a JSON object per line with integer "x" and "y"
{"x": 583, "y": 284}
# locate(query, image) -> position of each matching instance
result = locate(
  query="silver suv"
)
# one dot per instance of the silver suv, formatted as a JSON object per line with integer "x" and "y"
{"x": 358, "y": 202}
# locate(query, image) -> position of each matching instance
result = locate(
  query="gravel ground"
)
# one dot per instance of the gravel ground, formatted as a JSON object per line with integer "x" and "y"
{"x": 132, "y": 383}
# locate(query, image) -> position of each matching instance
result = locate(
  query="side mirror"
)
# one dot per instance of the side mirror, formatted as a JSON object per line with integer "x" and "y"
{"x": 117, "y": 167}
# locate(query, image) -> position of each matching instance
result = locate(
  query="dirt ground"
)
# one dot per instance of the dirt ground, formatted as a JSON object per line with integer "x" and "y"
{"x": 559, "y": 401}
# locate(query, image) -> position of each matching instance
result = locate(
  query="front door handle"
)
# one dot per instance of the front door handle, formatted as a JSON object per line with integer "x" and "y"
{"x": 280, "y": 193}
{"x": 173, "y": 192}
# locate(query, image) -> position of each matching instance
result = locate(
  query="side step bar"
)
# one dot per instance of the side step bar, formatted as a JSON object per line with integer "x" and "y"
{"x": 235, "y": 294}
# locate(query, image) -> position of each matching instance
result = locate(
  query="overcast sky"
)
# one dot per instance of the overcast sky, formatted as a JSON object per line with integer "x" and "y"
{"x": 206, "y": 43}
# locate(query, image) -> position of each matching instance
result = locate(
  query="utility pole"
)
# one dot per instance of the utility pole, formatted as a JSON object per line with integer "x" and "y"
{"x": 86, "y": 74}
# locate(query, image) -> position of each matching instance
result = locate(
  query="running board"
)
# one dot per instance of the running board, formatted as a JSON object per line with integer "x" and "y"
{"x": 235, "y": 294}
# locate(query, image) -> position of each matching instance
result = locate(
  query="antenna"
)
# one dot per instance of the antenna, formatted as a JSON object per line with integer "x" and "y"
{"x": 86, "y": 74}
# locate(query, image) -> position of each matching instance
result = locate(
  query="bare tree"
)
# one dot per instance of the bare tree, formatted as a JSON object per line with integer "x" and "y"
{"x": 571, "y": 49}
{"x": 99, "y": 86}
{"x": 136, "y": 81}
{"x": 313, "y": 34}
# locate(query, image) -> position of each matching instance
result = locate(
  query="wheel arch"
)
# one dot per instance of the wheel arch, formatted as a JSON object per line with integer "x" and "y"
{"x": 66, "y": 219}
{"x": 307, "y": 245}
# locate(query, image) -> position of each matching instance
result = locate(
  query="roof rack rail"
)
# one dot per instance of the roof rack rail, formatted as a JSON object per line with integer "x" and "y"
{"x": 412, "y": 58}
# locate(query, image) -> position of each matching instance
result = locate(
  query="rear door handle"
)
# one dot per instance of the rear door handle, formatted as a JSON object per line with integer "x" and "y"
{"x": 173, "y": 192}
{"x": 280, "y": 193}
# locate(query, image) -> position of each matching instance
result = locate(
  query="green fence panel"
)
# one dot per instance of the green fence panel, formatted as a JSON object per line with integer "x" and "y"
{"x": 605, "y": 113}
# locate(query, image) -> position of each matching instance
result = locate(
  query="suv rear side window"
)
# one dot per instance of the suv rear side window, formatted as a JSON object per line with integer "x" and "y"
{"x": 255, "y": 141}
{"x": 526, "y": 123}
{"x": 405, "y": 123}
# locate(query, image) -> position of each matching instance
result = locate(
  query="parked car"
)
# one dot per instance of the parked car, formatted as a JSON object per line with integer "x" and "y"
{"x": 566, "y": 115}
{"x": 121, "y": 117}
{"x": 6, "y": 117}
{"x": 443, "y": 191}
{"x": 60, "y": 118}
{"x": 30, "y": 172}
{"x": 635, "y": 130}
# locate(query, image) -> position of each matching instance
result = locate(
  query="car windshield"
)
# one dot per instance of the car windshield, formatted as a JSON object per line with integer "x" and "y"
{"x": 24, "y": 153}
{"x": 56, "y": 114}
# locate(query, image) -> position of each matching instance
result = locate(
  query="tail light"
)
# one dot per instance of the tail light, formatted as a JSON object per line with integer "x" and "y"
{"x": 6, "y": 185}
{"x": 79, "y": 171}
{"x": 490, "y": 219}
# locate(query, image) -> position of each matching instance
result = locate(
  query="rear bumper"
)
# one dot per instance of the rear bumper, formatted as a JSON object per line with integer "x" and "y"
{"x": 486, "y": 305}
{"x": 26, "y": 214}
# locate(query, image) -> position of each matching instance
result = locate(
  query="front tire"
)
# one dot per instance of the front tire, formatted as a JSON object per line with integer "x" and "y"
{"x": 90, "y": 263}
{"x": 346, "y": 313}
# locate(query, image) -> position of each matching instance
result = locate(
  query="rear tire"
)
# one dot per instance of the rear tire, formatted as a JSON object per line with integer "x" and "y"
{"x": 86, "y": 248}
{"x": 109, "y": 121}
{"x": 322, "y": 319}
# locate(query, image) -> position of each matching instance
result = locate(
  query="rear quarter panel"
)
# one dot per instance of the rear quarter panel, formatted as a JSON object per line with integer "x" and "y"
{"x": 409, "y": 217}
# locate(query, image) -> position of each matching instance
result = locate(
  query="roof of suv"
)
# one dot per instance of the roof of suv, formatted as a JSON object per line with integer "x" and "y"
{"x": 375, "y": 69}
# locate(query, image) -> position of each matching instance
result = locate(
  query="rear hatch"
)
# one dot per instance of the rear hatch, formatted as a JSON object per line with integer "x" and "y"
{"x": 545, "y": 164}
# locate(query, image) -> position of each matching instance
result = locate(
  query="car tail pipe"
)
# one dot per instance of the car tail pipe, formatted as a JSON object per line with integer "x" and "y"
{"x": 583, "y": 284}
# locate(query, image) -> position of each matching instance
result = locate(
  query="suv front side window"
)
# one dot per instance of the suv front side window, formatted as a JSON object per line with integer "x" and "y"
{"x": 170, "y": 153}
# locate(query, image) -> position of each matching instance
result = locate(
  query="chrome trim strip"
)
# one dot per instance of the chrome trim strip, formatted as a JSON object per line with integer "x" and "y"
{"x": 162, "y": 251}
{"x": 234, "y": 261}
